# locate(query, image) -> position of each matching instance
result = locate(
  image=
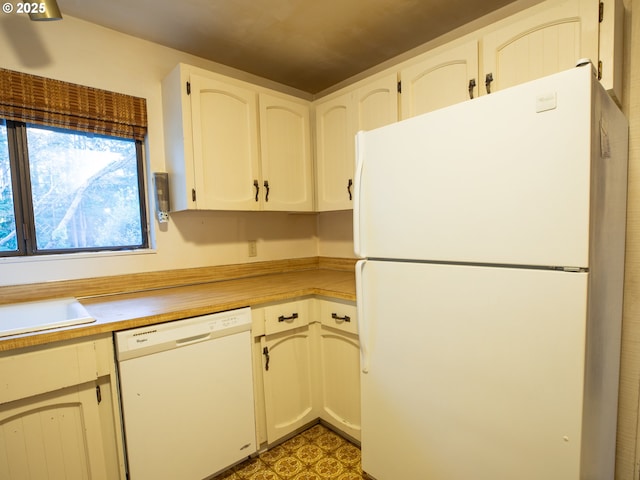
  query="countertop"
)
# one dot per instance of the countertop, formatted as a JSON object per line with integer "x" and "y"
{"x": 130, "y": 310}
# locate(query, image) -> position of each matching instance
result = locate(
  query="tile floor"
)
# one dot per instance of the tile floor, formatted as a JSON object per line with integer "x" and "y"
{"x": 315, "y": 454}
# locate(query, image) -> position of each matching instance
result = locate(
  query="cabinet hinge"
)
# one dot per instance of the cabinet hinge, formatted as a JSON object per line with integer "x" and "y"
{"x": 193, "y": 194}
{"x": 399, "y": 87}
{"x": 601, "y": 12}
{"x": 188, "y": 88}
{"x": 599, "y": 69}
{"x": 98, "y": 394}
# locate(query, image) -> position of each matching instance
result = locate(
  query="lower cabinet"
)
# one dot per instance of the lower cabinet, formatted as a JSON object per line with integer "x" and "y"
{"x": 306, "y": 366}
{"x": 58, "y": 412}
{"x": 288, "y": 365}
{"x": 340, "y": 367}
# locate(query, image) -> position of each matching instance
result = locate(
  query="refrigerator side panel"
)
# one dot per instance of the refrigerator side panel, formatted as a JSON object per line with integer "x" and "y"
{"x": 501, "y": 179}
{"x": 474, "y": 372}
{"x": 604, "y": 326}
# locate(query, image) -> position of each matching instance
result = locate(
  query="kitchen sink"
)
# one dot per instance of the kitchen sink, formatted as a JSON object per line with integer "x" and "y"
{"x": 17, "y": 318}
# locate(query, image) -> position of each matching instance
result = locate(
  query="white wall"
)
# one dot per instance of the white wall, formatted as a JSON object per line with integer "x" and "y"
{"x": 335, "y": 234}
{"x": 80, "y": 52}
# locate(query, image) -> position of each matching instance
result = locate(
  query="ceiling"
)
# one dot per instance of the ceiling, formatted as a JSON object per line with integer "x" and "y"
{"x": 309, "y": 45}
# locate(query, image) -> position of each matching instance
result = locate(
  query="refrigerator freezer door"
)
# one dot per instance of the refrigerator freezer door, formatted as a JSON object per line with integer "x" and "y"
{"x": 502, "y": 179}
{"x": 474, "y": 372}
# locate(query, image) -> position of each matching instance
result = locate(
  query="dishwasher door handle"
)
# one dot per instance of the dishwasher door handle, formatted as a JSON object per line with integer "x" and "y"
{"x": 194, "y": 339}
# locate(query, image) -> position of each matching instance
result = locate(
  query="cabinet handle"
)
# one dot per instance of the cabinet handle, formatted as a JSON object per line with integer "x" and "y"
{"x": 346, "y": 318}
{"x": 472, "y": 85}
{"x": 282, "y": 318}
{"x": 487, "y": 81}
{"x": 265, "y": 352}
{"x": 257, "y": 187}
{"x": 266, "y": 185}
{"x": 349, "y": 185}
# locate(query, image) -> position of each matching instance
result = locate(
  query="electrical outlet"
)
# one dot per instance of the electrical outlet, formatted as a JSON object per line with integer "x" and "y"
{"x": 253, "y": 248}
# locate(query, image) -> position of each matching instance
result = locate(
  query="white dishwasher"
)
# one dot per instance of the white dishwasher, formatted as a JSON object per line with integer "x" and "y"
{"x": 187, "y": 396}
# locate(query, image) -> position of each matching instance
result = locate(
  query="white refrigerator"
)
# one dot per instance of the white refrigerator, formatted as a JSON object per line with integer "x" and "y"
{"x": 490, "y": 287}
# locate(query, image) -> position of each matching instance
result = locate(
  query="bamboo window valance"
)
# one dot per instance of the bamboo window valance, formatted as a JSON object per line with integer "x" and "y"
{"x": 33, "y": 99}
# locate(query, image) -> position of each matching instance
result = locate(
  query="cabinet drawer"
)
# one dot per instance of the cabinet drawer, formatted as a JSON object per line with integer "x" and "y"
{"x": 285, "y": 316}
{"x": 35, "y": 370}
{"x": 339, "y": 315}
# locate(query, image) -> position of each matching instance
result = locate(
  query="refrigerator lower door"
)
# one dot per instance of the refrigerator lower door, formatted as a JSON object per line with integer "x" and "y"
{"x": 473, "y": 372}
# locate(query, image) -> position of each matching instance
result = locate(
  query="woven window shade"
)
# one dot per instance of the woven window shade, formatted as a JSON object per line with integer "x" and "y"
{"x": 32, "y": 99}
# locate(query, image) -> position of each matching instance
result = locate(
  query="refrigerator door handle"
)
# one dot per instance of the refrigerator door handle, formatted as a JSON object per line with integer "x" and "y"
{"x": 363, "y": 327}
{"x": 357, "y": 247}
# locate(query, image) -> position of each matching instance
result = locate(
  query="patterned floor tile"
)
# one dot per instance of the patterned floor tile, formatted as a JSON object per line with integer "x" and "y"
{"x": 315, "y": 454}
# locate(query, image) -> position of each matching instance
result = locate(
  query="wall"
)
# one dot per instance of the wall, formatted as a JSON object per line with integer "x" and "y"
{"x": 627, "y": 464}
{"x": 335, "y": 233}
{"x": 80, "y": 52}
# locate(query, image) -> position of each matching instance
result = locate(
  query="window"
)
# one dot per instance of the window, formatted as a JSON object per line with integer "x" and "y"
{"x": 81, "y": 191}
{"x": 71, "y": 179}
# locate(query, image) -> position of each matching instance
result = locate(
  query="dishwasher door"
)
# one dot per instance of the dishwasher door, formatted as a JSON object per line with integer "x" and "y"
{"x": 187, "y": 396}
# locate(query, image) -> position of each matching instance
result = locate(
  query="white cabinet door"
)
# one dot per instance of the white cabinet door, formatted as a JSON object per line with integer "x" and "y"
{"x": 285, "y": 155}
{"x": 225, "y": 145}
{"x": 539, "y": 41}
{"x": 54, "y": 420}
{"x": 340, "y": 367}
{"x": 376, "y": 103}
{"x": 54, "y": 435}
{"x": 338, "y": 119}
{"x": 288, "y": 381}
{"x": 335, "y": 153}
{"x": 288, "y": 368}
{"x": 439, "y": 79}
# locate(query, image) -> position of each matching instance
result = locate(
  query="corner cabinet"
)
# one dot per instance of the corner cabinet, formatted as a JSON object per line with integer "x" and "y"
{"x": 231, "y": 145}
{"x": 59, "y": 414}
{"x": 366, "y": 106}
{"x": 306, "y": 367}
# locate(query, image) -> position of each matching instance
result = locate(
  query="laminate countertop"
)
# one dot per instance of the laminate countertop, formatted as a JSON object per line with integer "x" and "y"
{"x": 130, "y": 310}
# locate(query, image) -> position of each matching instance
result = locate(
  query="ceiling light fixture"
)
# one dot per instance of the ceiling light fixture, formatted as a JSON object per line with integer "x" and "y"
{"x": 47, "y": 10}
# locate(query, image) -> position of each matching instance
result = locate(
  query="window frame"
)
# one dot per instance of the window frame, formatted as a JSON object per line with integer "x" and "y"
{"x": 23, "y": 198}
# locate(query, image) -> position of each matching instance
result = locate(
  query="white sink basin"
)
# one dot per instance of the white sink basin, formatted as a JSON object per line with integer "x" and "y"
{"x": 17, "y": 318}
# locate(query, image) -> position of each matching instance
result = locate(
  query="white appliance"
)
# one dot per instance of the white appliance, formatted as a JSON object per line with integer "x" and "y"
{"x": 187, "y": 396}
{"x": 490, "y": 295}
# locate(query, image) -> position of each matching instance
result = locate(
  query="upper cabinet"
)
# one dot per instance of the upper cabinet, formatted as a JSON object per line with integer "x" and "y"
{"x": 546, "y": 38}
{"x": 234, "y": 146}
{"x": 285, "y": 154}
{"x": 366, "y": 106}
{"x": 335, "y": 153}
{"x": 553, "y": 36}
{"x": 440, "y": 78}
{"x": 542, "y": 40}
{"x": 224, "y": 139}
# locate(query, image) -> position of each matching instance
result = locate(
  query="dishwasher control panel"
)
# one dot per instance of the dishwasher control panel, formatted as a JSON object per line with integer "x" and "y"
{"x": 164, "y": 336}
